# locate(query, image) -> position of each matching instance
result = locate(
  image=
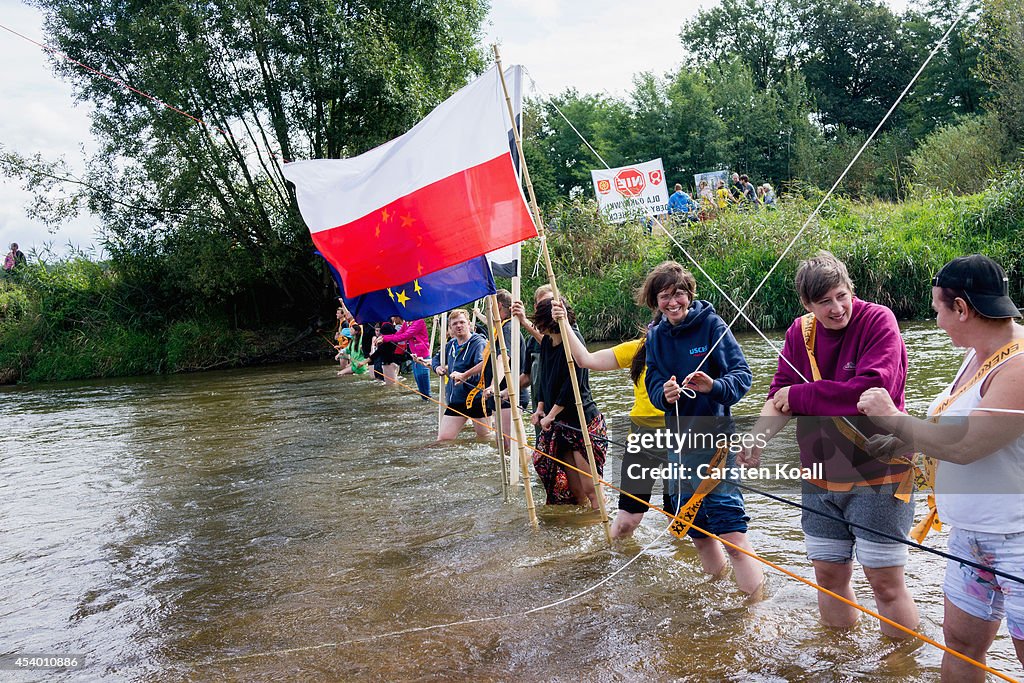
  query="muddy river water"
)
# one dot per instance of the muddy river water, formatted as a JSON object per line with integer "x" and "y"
{"x": 280, "y": 523}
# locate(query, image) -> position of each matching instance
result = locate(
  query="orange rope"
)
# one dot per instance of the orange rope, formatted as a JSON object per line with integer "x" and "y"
{"x": 783, "y": 570}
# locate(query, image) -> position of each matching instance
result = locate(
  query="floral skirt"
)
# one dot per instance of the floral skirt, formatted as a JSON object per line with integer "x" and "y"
{"x": 560, "y": 442}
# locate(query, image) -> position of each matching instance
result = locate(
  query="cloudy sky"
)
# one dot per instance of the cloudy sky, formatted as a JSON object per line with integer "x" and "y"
{"x": 595, "y": 47}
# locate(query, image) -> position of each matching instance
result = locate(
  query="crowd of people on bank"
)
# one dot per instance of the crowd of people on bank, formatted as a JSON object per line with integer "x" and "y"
{"x": 844, "y": 360}
{"x": 740, "y": 193}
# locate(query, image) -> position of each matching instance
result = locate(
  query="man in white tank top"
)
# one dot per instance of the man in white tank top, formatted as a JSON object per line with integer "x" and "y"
{"x": 976, "y": 431}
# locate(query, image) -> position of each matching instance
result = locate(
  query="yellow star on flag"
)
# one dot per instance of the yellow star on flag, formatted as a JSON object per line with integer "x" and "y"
{"x": 391, "y": 295}
{"x": 407, "y": 221}
{"x": 419, "y": 268}
{"x": 416, "y": 287}
{"x": 376, "y": 233}
{"x": 402, "y": 298}
{"x": 385, "y": 216}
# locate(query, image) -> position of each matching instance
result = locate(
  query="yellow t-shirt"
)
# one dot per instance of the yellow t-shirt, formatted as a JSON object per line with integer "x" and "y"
{"x": 723, "y": 197}
{"x": 643, "y": 410}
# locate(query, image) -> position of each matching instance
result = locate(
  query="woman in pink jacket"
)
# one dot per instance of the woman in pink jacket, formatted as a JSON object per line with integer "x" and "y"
{"x": 413, "y": 335}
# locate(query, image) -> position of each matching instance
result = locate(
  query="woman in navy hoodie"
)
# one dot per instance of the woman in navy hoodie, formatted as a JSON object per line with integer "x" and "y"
{"x": 689, "y": 331}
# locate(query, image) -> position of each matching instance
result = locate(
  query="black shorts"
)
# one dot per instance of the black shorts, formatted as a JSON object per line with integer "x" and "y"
{"x": 476, "y": 410}
{"x": 635, "y": 478}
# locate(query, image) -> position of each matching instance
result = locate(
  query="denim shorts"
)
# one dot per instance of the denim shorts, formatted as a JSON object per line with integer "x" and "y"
{"x": 721, "y": 512}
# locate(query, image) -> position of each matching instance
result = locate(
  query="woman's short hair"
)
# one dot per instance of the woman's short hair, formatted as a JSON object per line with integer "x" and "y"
{"x": 543, "y": 320}
{"x": 667, "y": 275}
{"x": 820, "y": 274}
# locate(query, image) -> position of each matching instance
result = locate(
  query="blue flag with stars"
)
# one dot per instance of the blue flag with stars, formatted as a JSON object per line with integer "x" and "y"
{"x": 431, "y": 294}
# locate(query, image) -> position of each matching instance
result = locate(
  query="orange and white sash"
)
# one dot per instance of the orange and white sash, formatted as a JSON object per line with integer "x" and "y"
{"x": 926, "y": 467}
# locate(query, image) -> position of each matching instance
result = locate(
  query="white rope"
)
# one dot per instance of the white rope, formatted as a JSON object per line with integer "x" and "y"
{"x": 435, "y": 627}
{"x": 999, "y": 410}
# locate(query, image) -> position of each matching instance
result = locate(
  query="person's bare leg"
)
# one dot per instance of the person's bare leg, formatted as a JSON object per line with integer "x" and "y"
{"x": 482, "y": 427}
{"x": 748, "y": 571}
{"x": 450, "y": 427}
{"x": 586, "y": 480}
{"x": 971, "y": 636}
{"x": 893, "y": 599}
{"x": 835, "y": 577}
{"x": 507, "y": 428}
{"x": 712, "y": 559}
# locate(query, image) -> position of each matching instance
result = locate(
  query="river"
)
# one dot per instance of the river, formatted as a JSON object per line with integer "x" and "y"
{"x": 280, "y": 523}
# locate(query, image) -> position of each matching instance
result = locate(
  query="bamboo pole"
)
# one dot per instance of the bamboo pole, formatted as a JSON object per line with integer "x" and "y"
{"x": 443, "y": 403}
{"x": 517, "y": 421}
{"x": 563, "y": 324}
{"x": 495, "y": 384}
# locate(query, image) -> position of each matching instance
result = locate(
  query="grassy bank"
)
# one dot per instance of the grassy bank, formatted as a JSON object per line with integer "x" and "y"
{"x": 78, "y": 318}
{"x": 892, "y": 251}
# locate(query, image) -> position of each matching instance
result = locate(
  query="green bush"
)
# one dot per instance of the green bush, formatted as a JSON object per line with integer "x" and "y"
{"x": 960, "y": 157}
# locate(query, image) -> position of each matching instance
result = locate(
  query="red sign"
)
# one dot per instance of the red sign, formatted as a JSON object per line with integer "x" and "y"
{"x": 604, "y": 186}
{"x": 655, "y": 177}
{"x": 630, "y": 182}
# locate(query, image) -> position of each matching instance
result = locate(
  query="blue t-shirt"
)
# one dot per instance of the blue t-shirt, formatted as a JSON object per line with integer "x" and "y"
{"x": 459, "y": 358}
{"x": 680, "y": 202}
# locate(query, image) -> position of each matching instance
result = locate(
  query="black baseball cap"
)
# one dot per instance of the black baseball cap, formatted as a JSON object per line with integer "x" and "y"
{"x": 983, "y": 282}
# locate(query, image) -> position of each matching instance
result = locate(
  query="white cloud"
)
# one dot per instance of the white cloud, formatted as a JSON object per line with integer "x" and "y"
{"x": 39, "y": 116}
{"x": 596, "y": 46}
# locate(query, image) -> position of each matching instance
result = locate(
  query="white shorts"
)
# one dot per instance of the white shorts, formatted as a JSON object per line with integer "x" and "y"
{"x": 980, "y": 593}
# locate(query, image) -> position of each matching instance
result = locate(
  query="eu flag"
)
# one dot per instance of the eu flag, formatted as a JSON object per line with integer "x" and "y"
{"x": 431, "y": 294}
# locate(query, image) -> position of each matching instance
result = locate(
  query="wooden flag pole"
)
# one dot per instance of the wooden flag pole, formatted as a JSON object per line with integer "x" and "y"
{"x": 563, "y": 324}
{"x": 498, "y": 427}
{"x": 513, "y": 384}
{"x": 517, "y": 421}
{"x": 433, "y": 329}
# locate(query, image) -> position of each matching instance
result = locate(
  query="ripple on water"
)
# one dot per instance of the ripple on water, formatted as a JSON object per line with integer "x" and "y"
{"x": 167, "y": 525}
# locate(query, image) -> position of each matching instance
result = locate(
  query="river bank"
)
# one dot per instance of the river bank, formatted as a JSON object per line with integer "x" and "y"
{"x": 80, "y": 319}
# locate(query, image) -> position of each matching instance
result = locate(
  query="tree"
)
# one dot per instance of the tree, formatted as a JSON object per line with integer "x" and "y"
{"x": 960, "y": 157}
{"x": 273, "y": 80}
{"x": 857, "y": 60}
{"x": 1000, "y": 37}
{"x": 763, "y": 34}
{"x": 949, "y": 87}
{"x": 566, "y": 173}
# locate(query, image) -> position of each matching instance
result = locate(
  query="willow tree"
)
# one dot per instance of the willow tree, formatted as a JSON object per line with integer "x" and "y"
{"x": 205, "y": 204}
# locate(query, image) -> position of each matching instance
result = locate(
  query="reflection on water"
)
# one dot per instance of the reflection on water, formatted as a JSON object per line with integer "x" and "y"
{"x": 277, "y": 523}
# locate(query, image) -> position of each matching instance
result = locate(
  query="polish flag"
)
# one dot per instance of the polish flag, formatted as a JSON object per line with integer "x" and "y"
{"x": 441, "y": 194}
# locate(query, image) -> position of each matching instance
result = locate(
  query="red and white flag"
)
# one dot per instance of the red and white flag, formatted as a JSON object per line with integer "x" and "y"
{"x": 439, "y": 195}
